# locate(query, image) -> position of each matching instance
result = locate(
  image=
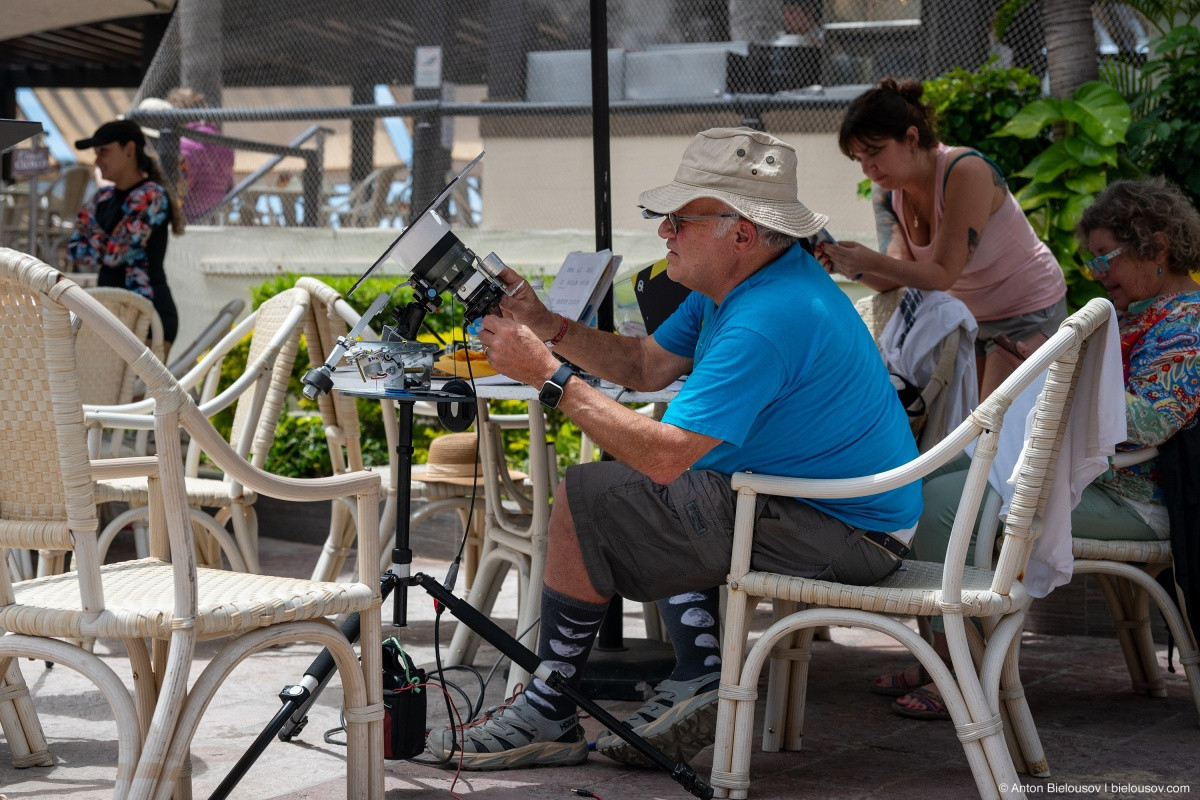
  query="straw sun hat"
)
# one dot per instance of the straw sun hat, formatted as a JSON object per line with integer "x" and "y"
{"x": 752, "y": 171}
{"x": 450, "y": 459}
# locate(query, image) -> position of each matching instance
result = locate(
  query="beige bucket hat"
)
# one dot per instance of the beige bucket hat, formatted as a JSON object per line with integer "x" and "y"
{"x": 450, "y": 459}
{"x": 752, "y": 171}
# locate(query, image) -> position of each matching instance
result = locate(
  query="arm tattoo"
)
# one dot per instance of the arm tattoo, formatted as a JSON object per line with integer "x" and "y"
{"x": 885, "y": 218}
{"x": 972, "y": 242}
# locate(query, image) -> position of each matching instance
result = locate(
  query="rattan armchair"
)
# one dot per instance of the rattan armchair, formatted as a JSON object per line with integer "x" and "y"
{"x": 984, "y": 670}
{"x": 332, "y": 317}
{"x": 1126, "y": 572}
{"x": 47, "y": 501}
{"x": 259, "y": 394}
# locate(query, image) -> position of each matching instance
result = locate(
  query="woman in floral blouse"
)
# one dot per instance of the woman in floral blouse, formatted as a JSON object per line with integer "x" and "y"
{"x": 1145, "y": 240}
{"x": 121, "y": 233}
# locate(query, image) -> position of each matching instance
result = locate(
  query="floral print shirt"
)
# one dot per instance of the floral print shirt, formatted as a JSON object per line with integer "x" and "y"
{"x": 124, "y": 256}
{"x": 1160, "y": 352}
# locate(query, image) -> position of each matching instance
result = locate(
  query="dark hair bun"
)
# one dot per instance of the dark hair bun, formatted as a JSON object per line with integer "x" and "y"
{"x": 912, "y": 91}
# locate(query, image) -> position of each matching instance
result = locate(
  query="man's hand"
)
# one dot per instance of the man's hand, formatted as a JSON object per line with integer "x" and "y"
{"x": 525, "y": 307}
{"x": 516, "y": 351}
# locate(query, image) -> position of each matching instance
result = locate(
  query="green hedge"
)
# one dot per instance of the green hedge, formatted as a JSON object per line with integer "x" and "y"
{"x": 300, "y": 449}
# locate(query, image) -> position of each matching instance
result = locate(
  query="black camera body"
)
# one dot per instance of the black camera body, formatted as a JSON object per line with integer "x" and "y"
{"x": 439, "y": 262}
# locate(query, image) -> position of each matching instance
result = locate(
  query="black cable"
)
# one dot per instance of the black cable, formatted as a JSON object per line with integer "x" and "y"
{"x": 433, "y": 676}
{"x": 437, "y": 659}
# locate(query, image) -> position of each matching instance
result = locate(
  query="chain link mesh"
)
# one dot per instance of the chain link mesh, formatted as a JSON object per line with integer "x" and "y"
{"x": 351, "y": 115}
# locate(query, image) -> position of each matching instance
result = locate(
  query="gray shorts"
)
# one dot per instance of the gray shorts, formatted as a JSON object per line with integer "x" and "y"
{"x": 1020, "y": 327}
{"x": 645, "y": 541}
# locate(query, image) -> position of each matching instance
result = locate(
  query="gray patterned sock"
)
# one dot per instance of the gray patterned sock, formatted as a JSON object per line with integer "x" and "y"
{"x": 691, "y": 621}
{"x": 568, "y": 629}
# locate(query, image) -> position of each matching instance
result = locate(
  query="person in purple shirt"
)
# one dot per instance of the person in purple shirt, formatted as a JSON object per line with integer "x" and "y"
{"x": 205, "y": 169}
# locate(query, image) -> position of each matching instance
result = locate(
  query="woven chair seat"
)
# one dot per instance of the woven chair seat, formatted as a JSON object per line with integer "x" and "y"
{"x": 1133, "y": 551}
{"x": 915, "y": 589}
{"x": 159, "y": 607}
{"x": 202, "y": 492}
{"x": 139, "y": 598}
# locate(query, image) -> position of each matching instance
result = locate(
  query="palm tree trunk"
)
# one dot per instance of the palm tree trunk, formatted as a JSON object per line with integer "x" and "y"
{"x": 1070, "y": 45}
{"x": 200, "y": 51}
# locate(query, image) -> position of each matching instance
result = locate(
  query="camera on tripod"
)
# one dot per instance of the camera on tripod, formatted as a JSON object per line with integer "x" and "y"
{"x": 437, "y": 263}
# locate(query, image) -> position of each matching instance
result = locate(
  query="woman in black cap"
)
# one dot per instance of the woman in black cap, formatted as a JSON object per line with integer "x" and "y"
{"x": 121, "y": 233}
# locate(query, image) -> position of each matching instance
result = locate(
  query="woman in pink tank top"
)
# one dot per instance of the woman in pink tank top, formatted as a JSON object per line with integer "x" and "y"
{"x": 947, "y": 221}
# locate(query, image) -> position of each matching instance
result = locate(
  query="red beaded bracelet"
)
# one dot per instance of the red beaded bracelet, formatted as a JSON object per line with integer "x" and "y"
{"x": 562, "y": 332}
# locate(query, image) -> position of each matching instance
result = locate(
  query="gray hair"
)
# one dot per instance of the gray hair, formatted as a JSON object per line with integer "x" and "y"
{"x": 1133, "y": 211}
{"x": 769, "y": 237}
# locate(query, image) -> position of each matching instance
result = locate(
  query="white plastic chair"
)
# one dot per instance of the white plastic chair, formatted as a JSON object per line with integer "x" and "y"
{"x": 984, "y": 669}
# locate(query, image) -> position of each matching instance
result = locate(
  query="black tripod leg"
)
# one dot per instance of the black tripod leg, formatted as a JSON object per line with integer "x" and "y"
{"x": 297, "y": 699}
{"x": 528, "y": 660}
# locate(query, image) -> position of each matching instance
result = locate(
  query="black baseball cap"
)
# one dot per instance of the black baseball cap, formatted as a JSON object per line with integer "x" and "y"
{"x": 119, "y": 130}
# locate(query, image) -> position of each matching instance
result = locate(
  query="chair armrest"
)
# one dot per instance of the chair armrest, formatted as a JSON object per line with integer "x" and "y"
{"x": 914, "y": 470}
{"x": 135, "y": 467}
{"x": 110, "y": 417}
{"x": 1132, "y": 457}
{"x": 263, "y": 482}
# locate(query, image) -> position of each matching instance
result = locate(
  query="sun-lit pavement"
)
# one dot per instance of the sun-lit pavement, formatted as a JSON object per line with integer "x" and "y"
{"x": 1100, "y": 738}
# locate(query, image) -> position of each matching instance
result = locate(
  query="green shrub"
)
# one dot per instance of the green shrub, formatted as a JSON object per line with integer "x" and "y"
{"x": 1065, "y": 177}
{"x": 971, "y": 106}
{"x": 300, "y": 449}
{"x": 1166, "y": 141}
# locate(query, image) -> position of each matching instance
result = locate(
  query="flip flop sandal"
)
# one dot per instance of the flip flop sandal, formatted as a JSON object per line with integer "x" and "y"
{"x": 898, "y": 685}
{"x": 934, "y": 707}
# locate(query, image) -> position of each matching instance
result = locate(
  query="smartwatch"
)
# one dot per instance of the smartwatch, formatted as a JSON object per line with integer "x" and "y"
{"x": 552, "y": 390}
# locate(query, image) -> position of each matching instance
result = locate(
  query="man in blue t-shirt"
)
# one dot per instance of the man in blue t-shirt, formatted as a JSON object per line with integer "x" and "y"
{"x": 784, "y": 379}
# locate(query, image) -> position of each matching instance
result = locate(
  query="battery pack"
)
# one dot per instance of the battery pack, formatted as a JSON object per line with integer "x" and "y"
{"x": 405, "y": 699}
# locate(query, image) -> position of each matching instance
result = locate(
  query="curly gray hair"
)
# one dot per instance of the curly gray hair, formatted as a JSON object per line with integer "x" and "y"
{"x": 1133, "y": 211}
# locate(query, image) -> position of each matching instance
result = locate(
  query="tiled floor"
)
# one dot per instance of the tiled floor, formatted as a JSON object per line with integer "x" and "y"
{"x": 1098, "y": 735}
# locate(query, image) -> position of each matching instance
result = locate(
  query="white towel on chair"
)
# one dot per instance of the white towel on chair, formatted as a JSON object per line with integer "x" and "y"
{"x": 1096, "y": 427}
{"x": 910, "y": 346}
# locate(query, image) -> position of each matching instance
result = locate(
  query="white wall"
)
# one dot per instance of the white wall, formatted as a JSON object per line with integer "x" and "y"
{"x": 547, "y": 183}
{"x": 537, "y": 206}
{"x": 207, "y": 267}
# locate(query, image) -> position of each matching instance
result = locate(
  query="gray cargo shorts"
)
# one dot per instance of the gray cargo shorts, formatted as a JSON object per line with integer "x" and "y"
{"x": 645, "y": 540}
{"x": 1020, "y": 327}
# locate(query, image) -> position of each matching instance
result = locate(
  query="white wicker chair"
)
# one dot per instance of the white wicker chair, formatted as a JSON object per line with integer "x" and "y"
{"x": 1126, "y": 573}
{"x": 47, "y": 501}
{"x": 259, "y": 393}
{"x": 995, "y": 597}
{"x": 332, "y": 317}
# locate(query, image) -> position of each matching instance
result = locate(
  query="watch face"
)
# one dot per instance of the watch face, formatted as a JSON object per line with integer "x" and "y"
{"x": 550, "y": 394}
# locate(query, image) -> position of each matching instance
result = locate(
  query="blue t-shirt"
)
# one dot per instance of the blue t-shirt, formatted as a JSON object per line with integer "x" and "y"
{"x": 787, "y": 376}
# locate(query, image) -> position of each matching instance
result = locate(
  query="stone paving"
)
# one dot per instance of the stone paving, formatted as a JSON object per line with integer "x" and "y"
{"x": 1100, "y": 738}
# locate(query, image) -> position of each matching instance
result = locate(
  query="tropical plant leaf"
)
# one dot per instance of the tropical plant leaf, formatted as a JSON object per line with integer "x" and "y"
{"x": 1100, "y": 110}
{"x": 1087, "y": 153}
{"x": 1087, "y": 183}
{"x": 1035, "y": 194}
{"x": 1049, "y": 164}
{"x": 1031, "y": 119}
{"x": 1005, "y": 15}
{"x": 1072, "y": 210}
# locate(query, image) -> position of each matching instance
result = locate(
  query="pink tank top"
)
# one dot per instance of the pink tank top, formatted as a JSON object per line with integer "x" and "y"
{"x": 1011, "y": 272}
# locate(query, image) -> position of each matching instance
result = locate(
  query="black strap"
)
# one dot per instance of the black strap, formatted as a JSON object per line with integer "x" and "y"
{"x": 888, "y": 542}
{"x": 960, "y": 157}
